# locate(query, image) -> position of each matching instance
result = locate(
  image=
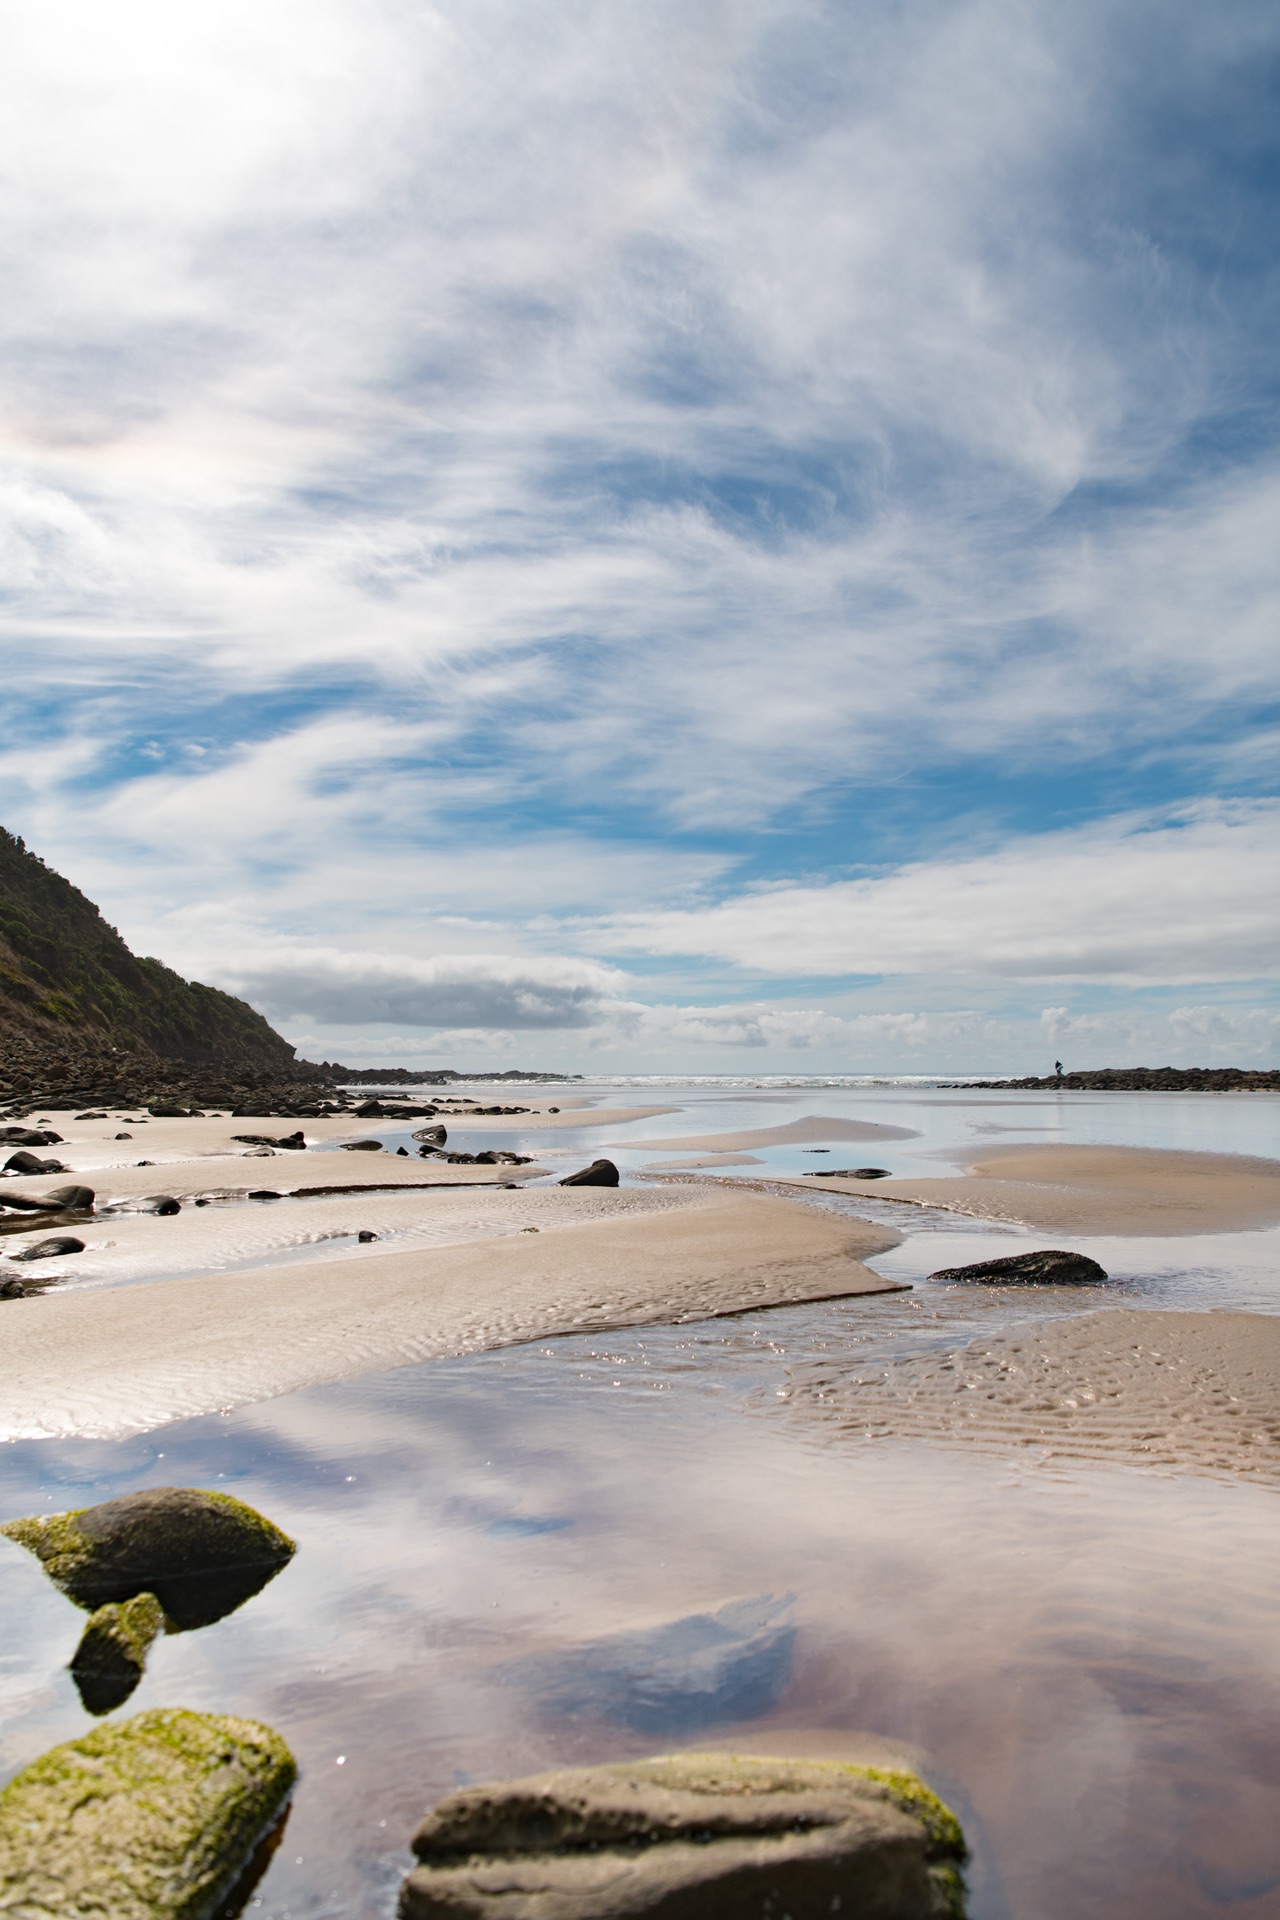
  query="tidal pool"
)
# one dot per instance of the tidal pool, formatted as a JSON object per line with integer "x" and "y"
{"x": 1086, "y": 1659}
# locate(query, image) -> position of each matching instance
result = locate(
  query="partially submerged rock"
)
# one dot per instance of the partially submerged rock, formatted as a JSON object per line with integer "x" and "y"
{"x": 201, "y": 1554}
{"x": 693, "y": 1836}
{"x": 1053, "y": 1267}
{"x": 111, "y": 1657}
{"x": 601, "y": 1173}
{"x": 156, "y": 1818}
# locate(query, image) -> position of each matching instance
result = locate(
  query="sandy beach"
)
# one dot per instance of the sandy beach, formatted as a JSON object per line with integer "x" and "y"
{"x": 113, "y": 1360}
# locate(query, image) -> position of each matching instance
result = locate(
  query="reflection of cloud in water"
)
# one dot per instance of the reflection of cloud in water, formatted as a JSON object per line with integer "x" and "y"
{"x": 704, "y": 1669}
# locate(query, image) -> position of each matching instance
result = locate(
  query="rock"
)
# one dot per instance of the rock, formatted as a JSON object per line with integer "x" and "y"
{"x": 156, "y": 1818}
{"x": 403, "y": 1152}
{"x": 1052, "y": 1267}
{"x": 124, "y": 1136}
{"x": 51, "y": 1249}
{"x": 109, "y": 1662}
{"x": 601, "y": 1173}
{"x": 72, "y": 1199}
{"x": 362, "y": 1146}
{"x": 697, "y": 1671}
{"x": 24, "y": 1162}
{"x": 698, "y": 1836}
{"x": 365, "y": 1235}
{"x": 201, "y": 1554}
{"x": 849, "y": 1173}
{"x": 12, "y": 1287}
{"x": 30, "y": 1203}
{"x": 435, "y": 1136}
{"x": 30, "y": 1137}
{"x": 158, "y": 1203}
{"x": 264, "y": 1193}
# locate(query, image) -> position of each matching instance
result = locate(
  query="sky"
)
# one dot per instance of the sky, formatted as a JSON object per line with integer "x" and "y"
{"x": 625, "y": 539}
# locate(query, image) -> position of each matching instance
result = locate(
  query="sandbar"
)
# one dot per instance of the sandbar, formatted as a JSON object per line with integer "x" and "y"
{"x": 1105, "y": 1190}
{"x": 794, "y": 1133}
{"x": 114, "y": 1360}
{"x": 1189, "y": 1392}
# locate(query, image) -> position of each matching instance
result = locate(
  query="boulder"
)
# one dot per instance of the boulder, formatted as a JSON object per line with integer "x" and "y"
{"x": 201, "y": 1554}
{"x": 51, "y": 1249}
{"x": 162, "y": 1817}
{"x": 601, "y": 1173}
{"x": 109, "y": 1662}
{"x": 29, "y": 1163}
{"x": 362, "y": 1146}
{"x": 70, "y": 1199}
{"x": 434, "y": 1136}
{"x": 691, "y": 1836}
{"x": 1053, "y": 1267}
{"x": 30, "y": 1202}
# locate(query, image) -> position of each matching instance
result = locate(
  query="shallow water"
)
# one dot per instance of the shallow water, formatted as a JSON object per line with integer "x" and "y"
{"x": 1087, "y": 1658}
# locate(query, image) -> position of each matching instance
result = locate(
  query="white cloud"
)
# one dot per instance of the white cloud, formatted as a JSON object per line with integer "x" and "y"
{"x": 1137, "y": 902}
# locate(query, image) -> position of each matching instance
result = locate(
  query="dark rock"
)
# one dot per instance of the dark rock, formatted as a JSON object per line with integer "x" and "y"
{"x": 162, "y": 1817}
{"x": 265, "y": 1193}
{"x": 29, "y": 1137}
{"x": 365, "y": 1235}
{"x": 698, "y": 1836}
{"x": 12, "y": 1287}
{"x": 202, "y": 1554}
{"x": 703, "y": 1669}
{"x": 29, "y": 1202}
{"x": 403, "y": 1152}
{"x": 23, "y": 1162}
{"x": 124, "y": 1136}
{"x": 434, "y": 1136}
{"x": 71, "y": 1199}
{"x": 851, "y": 1173}
{"x": 601, "y": 1173}
{"x": 164, "y": 1111}
{"x": 1052, "y": 1267}
{"x": 51, "y": 1249}
{"x": 111, "y": 1657}
{"x": 362, "y": 1146}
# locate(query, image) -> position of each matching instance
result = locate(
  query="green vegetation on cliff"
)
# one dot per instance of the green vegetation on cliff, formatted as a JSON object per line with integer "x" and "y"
{"x": 64, "y": 973}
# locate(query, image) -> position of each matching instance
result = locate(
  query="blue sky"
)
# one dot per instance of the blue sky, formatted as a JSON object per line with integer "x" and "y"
{"x": 656, "y": 539}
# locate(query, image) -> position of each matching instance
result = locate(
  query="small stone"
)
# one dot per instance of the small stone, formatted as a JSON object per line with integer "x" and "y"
{"x": 699, "y": 1834}
{"x": 1053, "y": 1267}
{"x": 109, "y": 1662}
{"x": 365, "y": 1235}
{"x": 162, "y": 1817}
{"x": 601, "y": 1173}
{"x": 124, "y": 1136}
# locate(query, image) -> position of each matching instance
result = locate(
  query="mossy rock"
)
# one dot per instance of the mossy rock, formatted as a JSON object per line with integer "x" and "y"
{"x": 202, "y": 1554}
{"x": 111, "y": 1657}
{"x": 689, "y": 1835}
{"x": 157, "y": 1818}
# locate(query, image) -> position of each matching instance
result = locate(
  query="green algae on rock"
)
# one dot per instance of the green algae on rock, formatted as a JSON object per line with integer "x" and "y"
{"x": 109, "y": 1662}
{"x": 156, "y": 1818}
{"x": 687, "y": 1835}
{"x": 201, "y": 1553}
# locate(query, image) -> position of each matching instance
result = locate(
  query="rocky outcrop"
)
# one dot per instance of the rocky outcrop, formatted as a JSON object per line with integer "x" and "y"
{"x": 162, "y": 1817}
{"x": 201, "y": 1554}
{"x": 1052, "y": 1267}
{"x": 1144, "y": 1080}
{"x": 601, "y": 1173}
{"x": 690, "y": 1837}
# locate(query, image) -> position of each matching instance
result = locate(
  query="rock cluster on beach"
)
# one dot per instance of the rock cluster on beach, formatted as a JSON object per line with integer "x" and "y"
{"x": 1142, "y": 1080}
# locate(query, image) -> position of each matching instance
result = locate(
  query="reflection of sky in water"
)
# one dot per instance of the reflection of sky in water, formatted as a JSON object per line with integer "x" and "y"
{"x": 1088, "y": 1655}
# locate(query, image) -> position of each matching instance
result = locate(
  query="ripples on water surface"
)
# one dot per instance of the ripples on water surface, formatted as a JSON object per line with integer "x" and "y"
{"x": 1088, "y": 1657}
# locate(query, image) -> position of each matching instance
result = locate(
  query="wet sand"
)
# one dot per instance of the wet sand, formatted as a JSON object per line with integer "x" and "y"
{"x": 116, "y": 1360}
{"x": 1185, "y": 1392}
{"x": 1105, "y": 1190}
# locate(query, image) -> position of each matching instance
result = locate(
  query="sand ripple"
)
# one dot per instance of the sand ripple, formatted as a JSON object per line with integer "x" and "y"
{"x": 1189, "y": 1392}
